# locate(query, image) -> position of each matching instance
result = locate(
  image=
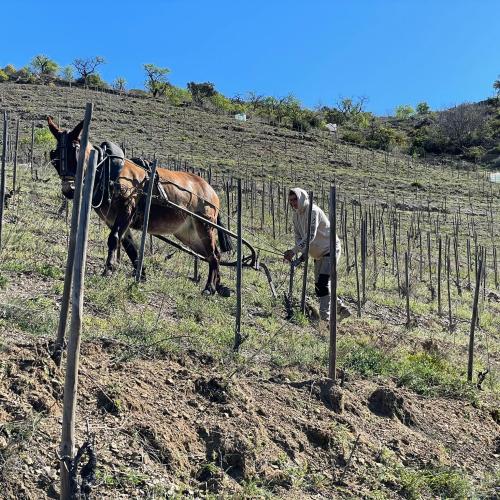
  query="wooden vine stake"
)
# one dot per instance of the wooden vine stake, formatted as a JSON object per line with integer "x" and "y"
{"x": 332, "y": 365}
{"x": 2, "y": 173}
{"x": 306, "y": 254}
{"x": 67, "y": 449}
{"x": 147, "y": 208}
{"x": 239, "y": 274}
{"x": 474, "y": 319}
{"x": 75, "y": 214}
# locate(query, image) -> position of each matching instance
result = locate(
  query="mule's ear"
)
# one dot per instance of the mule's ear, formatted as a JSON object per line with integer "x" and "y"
{"x": 53, "y": 127}
{"x": 75, "y": 133}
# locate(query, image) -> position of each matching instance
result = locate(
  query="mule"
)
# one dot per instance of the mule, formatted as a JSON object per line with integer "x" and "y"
{"x": 119, "y": 198}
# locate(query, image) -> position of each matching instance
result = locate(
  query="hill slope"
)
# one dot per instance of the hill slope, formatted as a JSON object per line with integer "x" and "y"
{"x": 174, "y": 411}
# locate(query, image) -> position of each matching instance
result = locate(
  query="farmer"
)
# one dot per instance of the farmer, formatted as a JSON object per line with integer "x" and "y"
{"x": 319, "y": 249}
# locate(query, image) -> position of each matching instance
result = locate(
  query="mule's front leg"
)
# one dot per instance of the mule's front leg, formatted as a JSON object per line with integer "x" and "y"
{"x": 131, "y": 249}
{"x": 119, "y": 228}
{"x": 113, "y": 242}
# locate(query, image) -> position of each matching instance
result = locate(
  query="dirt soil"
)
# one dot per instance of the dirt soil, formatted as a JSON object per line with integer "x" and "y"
{"x": 175, "y": 427}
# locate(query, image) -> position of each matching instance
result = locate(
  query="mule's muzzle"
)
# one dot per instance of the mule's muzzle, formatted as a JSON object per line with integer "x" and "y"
{"x": 68, "y": 187}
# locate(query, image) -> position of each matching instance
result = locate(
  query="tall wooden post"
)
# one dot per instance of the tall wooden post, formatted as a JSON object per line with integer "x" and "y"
{"x": 2, "y": 173}
{"x": 306, "y": 254}
{"x": 332, "y": 365}
{"x": 75, "y": 215}
{"x": 440, "y": 247}
{"x": 147, "y": 208}
{"x": 32, "y": 151}
{"x": 67, "y": 449}
{"x": 474, "y": 320}
{"x": 239, "y": 272}
{"x": 16, "y": 146}
{"x": 407, "y": 284}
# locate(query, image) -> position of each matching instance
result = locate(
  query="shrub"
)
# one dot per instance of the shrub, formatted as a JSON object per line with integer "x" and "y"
{"x": 385, "y": 138}
{"x": 3, "y": 76}
{"x": 222, "y": 103}
{"x": 353, "y": 136}
{"x": 9, "y": 70}
{"x": 474, "y": 153}
{"x": 200, "y": 91}
{"x": 44, "y": 140}
{"x": 423, "y": 108}
{"x": 93, "y": 80}
{"x": 178, "y": 96}
{"x": 404, "y": 111}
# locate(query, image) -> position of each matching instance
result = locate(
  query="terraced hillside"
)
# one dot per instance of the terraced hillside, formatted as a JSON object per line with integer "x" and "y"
{"x": 173, "y": 411}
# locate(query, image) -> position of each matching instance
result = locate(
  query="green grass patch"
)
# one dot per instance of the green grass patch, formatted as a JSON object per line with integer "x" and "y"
{"x": 34, "y": 316}
{"x": 424, "y": 373}
{"x": 434, "y": 483}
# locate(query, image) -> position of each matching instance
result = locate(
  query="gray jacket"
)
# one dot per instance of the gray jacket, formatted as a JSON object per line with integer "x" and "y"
{"x": 319, "y": 242}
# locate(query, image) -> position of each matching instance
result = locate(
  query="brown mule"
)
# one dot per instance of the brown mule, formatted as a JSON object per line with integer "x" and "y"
{"x": 120, "y": 192}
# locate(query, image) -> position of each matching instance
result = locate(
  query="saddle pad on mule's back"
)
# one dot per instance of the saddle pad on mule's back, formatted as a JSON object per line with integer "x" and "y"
{"x": 116, "y": 158}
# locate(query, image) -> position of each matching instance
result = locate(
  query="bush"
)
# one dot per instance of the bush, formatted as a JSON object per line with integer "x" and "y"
{"x": 222, "y": 103}
{"x": 200, "y": 91}
{"x": 474, "y": 153}
{"x": 24, "y": 75}
{"x": 177, "y": 96}
{"x": 404, "y": 111}
{"x": 353, "y": 136}
{"x": 386, "y": 138}
{"x": 44, "y": 139}
{"x": 423, "y": 108}
{"x": 9, "y": 70}
{"x": 93, "y": 80}
{"x": 3, "y": 76}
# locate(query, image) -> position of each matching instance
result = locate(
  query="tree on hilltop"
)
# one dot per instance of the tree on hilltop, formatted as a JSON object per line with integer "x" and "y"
{"x": 119, "y": 83}
{"x": 423, "y": 108}
{"x": 461, "y": 124}
{"x": 41, "y": 65}
{"x": 156, "y": 82}
{"x": 404, "y": 111}
{"x": 66, "y": 74}
{"x": 350, "y": 107}
{"x": 200, "y": 91}
{"x": 87, "y": 67}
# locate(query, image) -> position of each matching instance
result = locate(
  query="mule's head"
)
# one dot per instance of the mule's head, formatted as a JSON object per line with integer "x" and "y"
{"x": 65, "y": 156}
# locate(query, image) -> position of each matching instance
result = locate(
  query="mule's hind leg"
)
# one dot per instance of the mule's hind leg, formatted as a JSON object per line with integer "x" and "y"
{"x": 209, "y": 237}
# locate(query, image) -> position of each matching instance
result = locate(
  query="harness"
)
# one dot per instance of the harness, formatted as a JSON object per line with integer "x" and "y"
{"x": 110, "y": 161}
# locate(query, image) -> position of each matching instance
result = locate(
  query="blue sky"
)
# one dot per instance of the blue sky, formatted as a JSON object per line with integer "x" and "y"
{"x": 392, "y": 51}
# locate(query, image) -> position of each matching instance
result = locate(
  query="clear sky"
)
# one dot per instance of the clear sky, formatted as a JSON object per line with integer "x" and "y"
{"x": 391, "y": 51}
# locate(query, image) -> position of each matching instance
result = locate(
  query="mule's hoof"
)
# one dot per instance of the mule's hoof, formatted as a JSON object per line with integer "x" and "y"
{"x": 224, "y": 291}
{"x": 142, "y": 279}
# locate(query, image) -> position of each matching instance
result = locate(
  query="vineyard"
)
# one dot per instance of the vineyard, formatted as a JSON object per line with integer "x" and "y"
{"x": 171, "y": 409}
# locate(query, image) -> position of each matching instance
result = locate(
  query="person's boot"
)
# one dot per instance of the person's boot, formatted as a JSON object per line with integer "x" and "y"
{"x": 324, "y": 308}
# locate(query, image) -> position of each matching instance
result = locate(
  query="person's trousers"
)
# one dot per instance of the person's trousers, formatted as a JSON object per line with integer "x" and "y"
{"x": 322, "y": 284}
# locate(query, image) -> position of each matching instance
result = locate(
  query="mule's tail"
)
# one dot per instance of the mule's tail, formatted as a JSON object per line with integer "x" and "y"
{"x": 224, "y": 240}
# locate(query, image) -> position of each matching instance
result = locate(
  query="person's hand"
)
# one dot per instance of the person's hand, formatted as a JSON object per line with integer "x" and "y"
{"x": 288, "y": 255}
